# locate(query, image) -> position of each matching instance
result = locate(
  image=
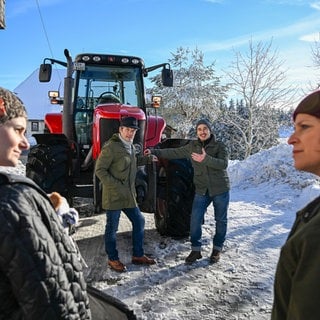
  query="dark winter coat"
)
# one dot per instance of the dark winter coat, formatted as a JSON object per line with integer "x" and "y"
{"x": 117, "y": 170}
{"x": 40, "y": 270}
{"x": 297, "y": 279}
{"x": 210, "y": 174}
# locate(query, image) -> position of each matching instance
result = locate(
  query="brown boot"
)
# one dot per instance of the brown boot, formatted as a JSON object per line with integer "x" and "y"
{"x": 117, "y": 265}
{"x": 193, "y": 256}
{"x": 143, "y": 260}
{"x": 215, "y": 256}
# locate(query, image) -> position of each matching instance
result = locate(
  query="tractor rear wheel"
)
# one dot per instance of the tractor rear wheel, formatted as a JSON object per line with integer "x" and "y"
{"x": 175, "y": 192}
{"x": 48, "y": 166}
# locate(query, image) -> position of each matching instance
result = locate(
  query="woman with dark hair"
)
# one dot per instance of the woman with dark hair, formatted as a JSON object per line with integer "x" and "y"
{"x": 297, "y": 279}
{"x": 40, "y": 268}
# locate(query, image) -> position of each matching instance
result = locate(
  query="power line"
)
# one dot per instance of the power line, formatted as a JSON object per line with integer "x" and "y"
{"x": 44, "y": 29}
{"x": 46, "y": 34}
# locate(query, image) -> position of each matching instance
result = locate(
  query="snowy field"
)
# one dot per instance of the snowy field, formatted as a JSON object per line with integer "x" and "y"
{"x": 266, "y": 192}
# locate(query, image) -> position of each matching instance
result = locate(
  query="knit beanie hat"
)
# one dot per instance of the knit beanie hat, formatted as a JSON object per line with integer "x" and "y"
{"x": 10, "y": 106}
{"x": 309, "y": 105}
{"x": 205, "y": 122}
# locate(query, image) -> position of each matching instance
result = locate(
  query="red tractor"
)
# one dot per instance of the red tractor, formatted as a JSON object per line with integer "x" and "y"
{"x": 100, "y": 89}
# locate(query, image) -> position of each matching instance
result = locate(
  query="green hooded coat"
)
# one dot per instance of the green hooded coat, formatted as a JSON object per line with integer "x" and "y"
{"x": 117, "y": 169}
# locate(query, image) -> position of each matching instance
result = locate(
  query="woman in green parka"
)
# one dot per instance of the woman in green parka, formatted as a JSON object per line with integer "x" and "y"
{"x": 297, "y": 279}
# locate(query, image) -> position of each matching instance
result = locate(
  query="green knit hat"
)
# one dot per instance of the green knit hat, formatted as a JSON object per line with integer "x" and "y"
{"x": 309, "y": 105}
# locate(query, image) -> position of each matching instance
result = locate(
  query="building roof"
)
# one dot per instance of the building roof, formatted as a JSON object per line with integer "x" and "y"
{"x": 34, "y": 94}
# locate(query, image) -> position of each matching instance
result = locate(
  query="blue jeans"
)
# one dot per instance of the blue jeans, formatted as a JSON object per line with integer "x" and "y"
{"x": 200, "y": 204}
{"x": 137, "y": 220}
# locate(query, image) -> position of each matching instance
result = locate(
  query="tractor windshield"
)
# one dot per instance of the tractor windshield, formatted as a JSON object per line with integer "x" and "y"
{"x": 111, "y": 84}
{"x": 100, "y": 84}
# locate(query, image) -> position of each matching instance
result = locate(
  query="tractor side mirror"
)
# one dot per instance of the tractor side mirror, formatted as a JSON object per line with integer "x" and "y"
{"x": 45, "y": 72}
{"x": 167, "y": 77}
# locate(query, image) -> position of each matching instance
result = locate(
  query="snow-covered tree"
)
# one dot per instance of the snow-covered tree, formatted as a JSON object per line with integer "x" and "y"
{"x": 197, "y": 91}
{"x": 231, "y": 128}
{"x": 315, "y": 50}
{"x": 251, "y": 120}
{"x": 258, "y": 81}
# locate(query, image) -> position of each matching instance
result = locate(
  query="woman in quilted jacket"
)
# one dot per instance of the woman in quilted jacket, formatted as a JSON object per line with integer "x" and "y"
{"x": 40, "y": 270}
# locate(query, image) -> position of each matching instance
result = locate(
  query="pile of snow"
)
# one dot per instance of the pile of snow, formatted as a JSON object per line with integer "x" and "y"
{"x": 274, "y": 165}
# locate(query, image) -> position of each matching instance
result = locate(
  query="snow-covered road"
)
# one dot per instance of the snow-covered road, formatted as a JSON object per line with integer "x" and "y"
{"x": 238, "y": 287}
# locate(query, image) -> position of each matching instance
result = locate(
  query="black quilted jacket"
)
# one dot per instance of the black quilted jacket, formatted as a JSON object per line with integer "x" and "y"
{"x": 40, "y": 271}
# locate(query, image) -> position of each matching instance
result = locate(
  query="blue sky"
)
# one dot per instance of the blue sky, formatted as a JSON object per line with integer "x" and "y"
{"x": 153, "y": 29}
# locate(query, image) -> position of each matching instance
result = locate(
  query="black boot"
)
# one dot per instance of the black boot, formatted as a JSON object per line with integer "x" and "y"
{"x": 193, "y": 256}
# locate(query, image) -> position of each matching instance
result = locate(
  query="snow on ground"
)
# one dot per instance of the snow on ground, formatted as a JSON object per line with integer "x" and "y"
{"x": 266, "y": 192}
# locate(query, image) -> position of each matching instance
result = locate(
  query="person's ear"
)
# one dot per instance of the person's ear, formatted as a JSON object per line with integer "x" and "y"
{"x": 2, "y": 108}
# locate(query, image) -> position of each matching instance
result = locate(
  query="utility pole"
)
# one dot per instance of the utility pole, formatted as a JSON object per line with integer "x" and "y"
{"x": 2, "y": 15}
